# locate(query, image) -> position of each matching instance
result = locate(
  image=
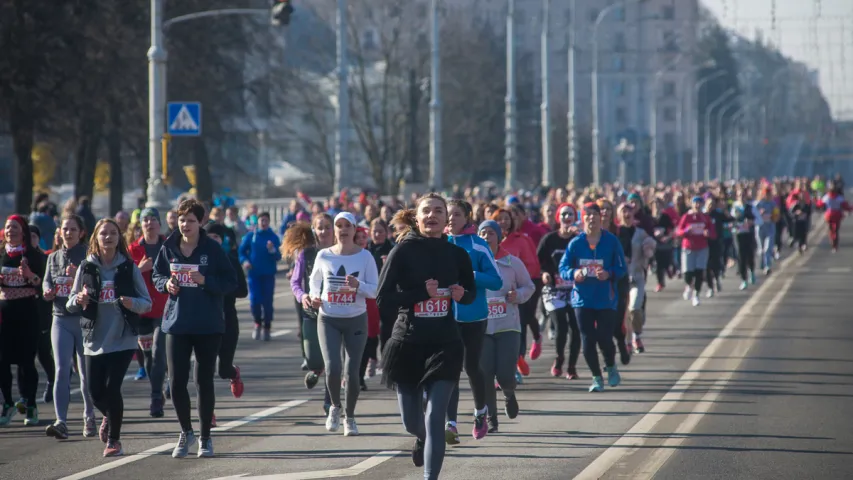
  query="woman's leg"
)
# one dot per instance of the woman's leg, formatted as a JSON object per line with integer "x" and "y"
{"x": 63, "y": 353}
{"x": 116, "y": 370}
{"x": 206, "y": 349}
{"x": 179, "y": 349}
{"x": 586, "y": 323}
{"x": 355, "y": 338}
{"x": 488, "y": 367}
{"x": 331, "y": 340}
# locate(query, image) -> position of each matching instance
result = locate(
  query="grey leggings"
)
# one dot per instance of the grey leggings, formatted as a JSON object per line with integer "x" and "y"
{"x": 156, "y": 363}
{"x": 67, "y": 340}
{"x": 352, "y": 334}
{"x": 498, "y": 360}
{"x": 427, "y": 426}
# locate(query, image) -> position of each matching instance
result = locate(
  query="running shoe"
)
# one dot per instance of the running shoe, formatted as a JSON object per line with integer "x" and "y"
{"x": 768, "y": 271}
{"x": 695, "y": 301}
{"x": 155, "y": 409}
{"x": 305, "y": 365}
{"x": 32, "y": 417}
{"x": 638, "y": 346}
{"x": 104, "y": 431}
{"x": 333, "y": 421}
{"x": 7, "y": 414}
{"x": 58, "y": 431}
{"x": 687, "y": 292}
{"x": 48, "y": 394}
{"x": 113, "y": 449}
{"x": 493, "y": 424}
{"x": 256, "y": 333}
{"x": 536, "y": 349}
{"x": 451, "y": 435}
{"x": 266, "y": 334}
{"x": 572, "y": 373}
{"x": 497, "y": 386}
{"x": 326, "y": 407}
{"x": 140, "y": 374}
{"x": 418, "y": 453}
{"x": 311, "y": 379}
{"x": 597, "y": 385}
{"x": 350, "y": 427}
{"x": 237, "y": 384}
{"x": 556, "y": 371}
{"x": 659, "y": 288}
{"x": 522, "y": 365}
{"x": 710, "y": 293}
{"x": 624, "y": 354}
{"x": 185, "y": 441}
{"x": 510, "y": 406}
{"x": 613, "y": 377}
{"x": 213, "y": 421}
{"x": 518, "y": 378}
{"x": 481, "y": 427}
{"x": 89, "y": 429}
{"x": 205, "y": 448}
{"x": 371, "y": 368}
{"x": 167, "y": 392}
{"x": 21, "y": 405}
{"x": 752, "y": 277}
{"x": 744, "y": 285}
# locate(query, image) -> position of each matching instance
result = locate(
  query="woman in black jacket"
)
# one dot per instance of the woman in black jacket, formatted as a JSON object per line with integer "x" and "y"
{"x": 421, "y": 277}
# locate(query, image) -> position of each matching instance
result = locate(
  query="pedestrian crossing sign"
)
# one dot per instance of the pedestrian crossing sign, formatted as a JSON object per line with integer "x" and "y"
{"x": 184, "y": 119}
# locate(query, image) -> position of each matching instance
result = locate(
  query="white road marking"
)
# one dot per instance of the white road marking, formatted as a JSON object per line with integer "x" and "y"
{"x": 636, "y": 436}
{"x": 165, "y": 448}
{"x": 280, "y": 333}
{"x": 839, "y": 270}
{"x": 358, "y": 469}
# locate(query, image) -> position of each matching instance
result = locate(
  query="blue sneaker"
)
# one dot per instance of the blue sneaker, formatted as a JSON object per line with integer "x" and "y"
{"x": 597, "y": 385}
{"x": 752, "y": 278}
{"x": 140, "y": 374}
{"x": 613, "y": 377}
{"x": 518, "y": 378}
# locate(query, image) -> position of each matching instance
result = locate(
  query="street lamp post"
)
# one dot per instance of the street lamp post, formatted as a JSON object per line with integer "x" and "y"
{"x": 342, "y": 112}
{"x": 435, "y": 171}
{"x": 722, "y": 98}
{"x": 623, "y": 148}
{"x": 156, "y": 194}
{"x": 696, "y": 88}
{"x": 572, "y": 133}
{"x": 509, "y": 141}
{"x": 547, "y": 171}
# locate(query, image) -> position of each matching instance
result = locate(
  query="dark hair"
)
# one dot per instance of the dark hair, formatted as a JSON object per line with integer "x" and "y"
{"x": 83, "y": 201}
{"x": 406, "y": 221}
{"x": 264, "y": 214}
{"x": 192, "y": 206}
{"x": 76, "y": 219}
{"x": 465, "y": 206}
{"x": 497, "y": 215}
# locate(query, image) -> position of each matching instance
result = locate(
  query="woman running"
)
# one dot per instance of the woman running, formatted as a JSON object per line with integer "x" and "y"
{"x": 768, "y": 213}
{"x": 594, "y": 261}
{"x": 663, "y": 234}
{"x": 835, "y": 206}
{"x": 343, "y": 276}
{"x": 380, "y": 246}
{"x": 639, "y": 248}
{"x": 503, "y": 332}
{"x": 21, "y": 269}
{"x": 556, "y": 291}
{"x": 110, "y": 294}
{"x": 305, "y": 241}
{"x": 66, "y": 334}
{"x": 695, "y": 229}
{"x": 744, "y": 226}
{"x": 44, "y": 352}
{"x": 471, "y": 318}
{"x": 425, "y": 353}
{"x": 623, "y": 284}
{"x": 197, "y": 274}
{"x": 715, "y": 210}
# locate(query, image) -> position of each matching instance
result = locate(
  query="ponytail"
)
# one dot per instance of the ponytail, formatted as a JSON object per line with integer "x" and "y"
{"x": 404, "y": 222}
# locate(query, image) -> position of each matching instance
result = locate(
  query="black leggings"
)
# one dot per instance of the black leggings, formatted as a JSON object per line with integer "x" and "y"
{"x": 663, "y": 260}
{"x": 745, "y": 254}
{"x": 45, "y": 356}
{"x": 623, "y": 287}
{"x": 228, "y": 347}
{"x": 564, "y": 320}
{"x": 527, "y": 312}
{"x": 105, "y": 374}
{"x": 472, "y": 336}
{"x": 369, "y": 352}
{"x": 715, "y": 262}
{"x": 179, "y": 350}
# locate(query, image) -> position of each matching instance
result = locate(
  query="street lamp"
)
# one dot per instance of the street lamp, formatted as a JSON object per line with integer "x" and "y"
{"x": 435, "y": 173}
{"x": 696, "y": 88}
{"x": 547, "y": 172}
{"x": 623, "y": 148}
{"x": 509, "y": 112}
{"x": 722, "y": 98}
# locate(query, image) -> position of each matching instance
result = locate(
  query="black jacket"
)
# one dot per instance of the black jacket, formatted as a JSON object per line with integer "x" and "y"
{"x": 402, "y": 287}
{"x": 242, "y": 290}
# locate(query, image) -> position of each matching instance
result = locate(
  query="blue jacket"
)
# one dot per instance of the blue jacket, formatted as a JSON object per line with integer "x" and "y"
{"x": 253, "y": 249}
{"x": 195, "y": 309}
{"x": 592, "y": 292}
{"x": 486, "y": 277}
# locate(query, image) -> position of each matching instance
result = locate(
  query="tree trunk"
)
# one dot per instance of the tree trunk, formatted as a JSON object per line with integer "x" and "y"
{"x": 21, "y": 124}
{"x": 87, "y": 157}
{"x": 414, "y": 103}
{"x": 204, "y": 184}
{"x": 113, "y": 141}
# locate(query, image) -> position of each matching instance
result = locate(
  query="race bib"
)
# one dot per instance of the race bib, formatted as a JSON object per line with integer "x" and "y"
{"x": 62, "y": 286}
{"x": 561, "y": 284}
{"x": 338, "y": 292}
{"x": 181, "y": 272}
{"x": 108, "y": 292}
{"x": 12, "y": 277}
{"x": 697, "y": 228}
{"x": 434, "y": 307}
{"x": 591, "y": 267}
{"x": 497, "y": 307}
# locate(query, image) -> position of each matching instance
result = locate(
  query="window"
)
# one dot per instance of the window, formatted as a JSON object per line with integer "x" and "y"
{"x": 620, "y": 89}
{"x": 394, "y": 11}
{"x": 618, "y": 63}
{"x": 669, "y": 142}
{"x": 368, "y": 39}
{"x": 668, "y": 12}
{"x": 669, "y": 41}
{"x": 619, "y": 42}
{"x": 669, "y": 114}
{"x": 621, "y": 114}
{"x": 593, "y": 14}
{"x": 668, "y": 89}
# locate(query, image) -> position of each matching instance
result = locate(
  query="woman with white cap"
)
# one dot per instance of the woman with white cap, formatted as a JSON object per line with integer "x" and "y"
{"x": 343, "y": 276}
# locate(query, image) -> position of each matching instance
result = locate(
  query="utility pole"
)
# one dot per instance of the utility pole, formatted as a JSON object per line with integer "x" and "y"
{"x": 342, "y": 137}
{"x": 435, "y": 173}
{"x": 573, "y": 153}
{"x": 156, "y": 194}
{"x": 547, "y": 170}
{"x": 509, "y": 141}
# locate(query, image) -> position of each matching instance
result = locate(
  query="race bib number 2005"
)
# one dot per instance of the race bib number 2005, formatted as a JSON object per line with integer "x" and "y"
{"x": 181, "y": 272}
{"x": 434, "y": 307}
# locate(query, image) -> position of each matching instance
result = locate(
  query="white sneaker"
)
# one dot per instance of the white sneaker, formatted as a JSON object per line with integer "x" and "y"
{"x": 710, "y": 293}
{"x": 743, "y": 285}
{"x": 333, "y": 421}
{"x": 695, "y": 300}
{"x": 350, "y": 428}
{"x": 687, "y": 292}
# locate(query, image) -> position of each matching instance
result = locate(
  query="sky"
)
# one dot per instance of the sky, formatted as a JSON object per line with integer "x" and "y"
{"x": 816, "y": 32}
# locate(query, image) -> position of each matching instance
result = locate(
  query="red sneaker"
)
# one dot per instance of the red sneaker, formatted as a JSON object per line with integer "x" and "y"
{"x": 659, "y": 288}
{"x": 536, "y": 349}
{"x": 237, "y": 384}
{"x": 213, "y": 421}
{"x": 523, "y": 367}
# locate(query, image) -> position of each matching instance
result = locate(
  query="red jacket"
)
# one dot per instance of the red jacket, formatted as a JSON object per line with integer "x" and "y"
{"x": 158, "y": 300}
{"x": 534, "y": 231}
{"x": 521, "y": 246}
{"x": 692, "y": 227}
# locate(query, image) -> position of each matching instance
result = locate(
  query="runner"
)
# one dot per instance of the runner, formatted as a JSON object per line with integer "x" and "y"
{"x": 196, "y": 273}
{"x": 556, "y": 291}
{"x": 716, "y": 211}
{"x": 594, "y": 261}
{"x": 639, "y": 248}
{"x": 425, "y": 353}
{"x": 744, "y": 226}
{"x": 835, "y": 206}
{"x": 380, "y": 246}
{"x": 343, "y": 276}
{"x": 66, "y": 334}
{"x": 259, "y": 254}
{"x": 110, "y": 294}
{"x": 695, "y": 229}
{"x": 766, "y": 221}
{"x": 623, "y": 284}
{"x": 373, "y": 321}
{"x": 45, "y": 319}
{"x": 21, "y": 269}
{"x": 471, "y": 318}
{"x": 503, "y": 331}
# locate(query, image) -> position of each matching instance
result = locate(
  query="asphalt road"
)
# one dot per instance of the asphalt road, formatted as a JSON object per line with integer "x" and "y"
{"x": 752, "y": 384}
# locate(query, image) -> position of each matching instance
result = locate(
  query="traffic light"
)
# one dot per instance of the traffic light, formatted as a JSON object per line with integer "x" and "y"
{"x": 281, "y": 10}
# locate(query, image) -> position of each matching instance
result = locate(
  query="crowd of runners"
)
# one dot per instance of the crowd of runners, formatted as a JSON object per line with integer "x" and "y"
{"x": 414, "y": 291}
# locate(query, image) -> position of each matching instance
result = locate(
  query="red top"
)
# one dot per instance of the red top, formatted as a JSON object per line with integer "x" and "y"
{"x": 692, "y": 229}
{"x": 158, "y": 300}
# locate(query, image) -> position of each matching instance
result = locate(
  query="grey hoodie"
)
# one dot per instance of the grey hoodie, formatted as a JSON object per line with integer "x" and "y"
{"x": 503, "y": 315}
{"x": 111, "y": 334}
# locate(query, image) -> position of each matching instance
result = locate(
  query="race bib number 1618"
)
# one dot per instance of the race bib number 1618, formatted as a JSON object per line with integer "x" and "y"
{"x": 434, "y": 307}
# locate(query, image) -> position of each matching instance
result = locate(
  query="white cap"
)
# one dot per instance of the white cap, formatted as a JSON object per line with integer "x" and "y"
{"x": 346, "y": 216}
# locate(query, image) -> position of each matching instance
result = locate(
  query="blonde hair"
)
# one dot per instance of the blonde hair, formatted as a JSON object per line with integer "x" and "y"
{"x": 95, "y": 247}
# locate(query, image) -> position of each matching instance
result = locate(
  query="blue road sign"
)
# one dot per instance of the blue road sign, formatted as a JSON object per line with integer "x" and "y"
{"x": 184, "y": 119}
